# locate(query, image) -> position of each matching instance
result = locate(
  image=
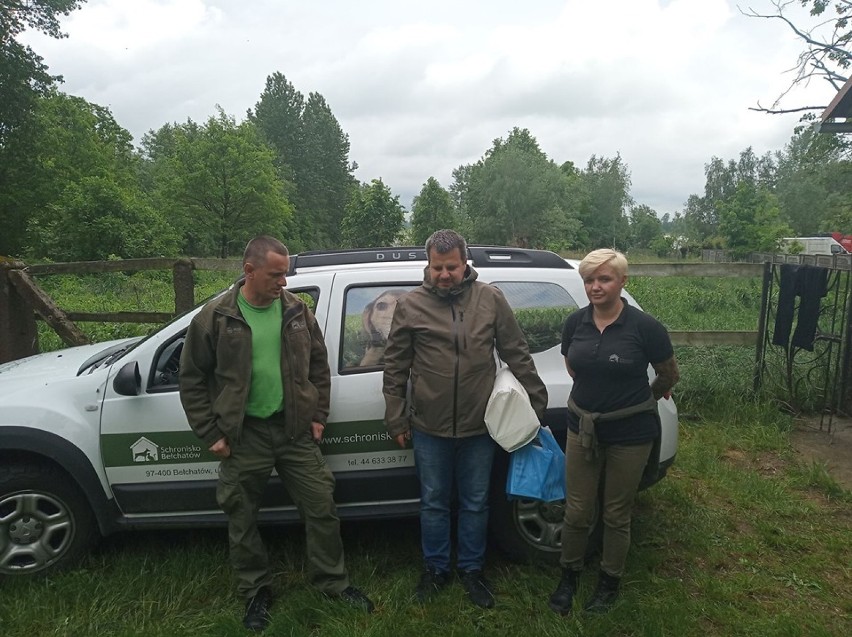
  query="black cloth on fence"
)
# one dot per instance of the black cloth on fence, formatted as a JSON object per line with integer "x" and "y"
{"x": 810, "y": 284}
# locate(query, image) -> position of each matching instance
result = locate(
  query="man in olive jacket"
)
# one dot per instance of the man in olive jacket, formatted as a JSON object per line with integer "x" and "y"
{"x": 255, "y": 386}
{"x": 442, "y": 339}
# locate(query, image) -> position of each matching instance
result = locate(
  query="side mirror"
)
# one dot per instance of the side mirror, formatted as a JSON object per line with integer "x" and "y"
{"x": 127, "y": 381}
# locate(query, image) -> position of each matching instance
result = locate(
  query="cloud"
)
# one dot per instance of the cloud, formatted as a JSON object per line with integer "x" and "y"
{"x": 422, "y": 89}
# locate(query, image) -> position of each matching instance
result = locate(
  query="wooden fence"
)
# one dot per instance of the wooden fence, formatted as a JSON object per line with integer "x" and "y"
{"x": 22, "y": 301}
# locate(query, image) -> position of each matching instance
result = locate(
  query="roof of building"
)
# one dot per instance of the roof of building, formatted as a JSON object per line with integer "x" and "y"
{"x": 840, "y": 109}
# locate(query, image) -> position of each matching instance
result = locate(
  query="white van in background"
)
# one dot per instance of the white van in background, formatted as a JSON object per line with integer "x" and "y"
{"x": 811, "y": 245}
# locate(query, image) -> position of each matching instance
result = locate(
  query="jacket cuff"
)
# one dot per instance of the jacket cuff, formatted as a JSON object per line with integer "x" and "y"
{"x": 212, "y": 437}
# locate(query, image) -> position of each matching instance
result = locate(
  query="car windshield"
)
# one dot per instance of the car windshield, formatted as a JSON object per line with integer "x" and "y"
{"x": 108, "y": 355}
{"x": 129, "y": 347}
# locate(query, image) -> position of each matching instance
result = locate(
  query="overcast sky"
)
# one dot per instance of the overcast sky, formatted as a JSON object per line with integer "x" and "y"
{"x": 421, "y": 88}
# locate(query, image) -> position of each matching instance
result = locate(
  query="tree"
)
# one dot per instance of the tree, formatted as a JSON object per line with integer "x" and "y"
{"x": 701, "y": 216}
{"x": 750, "y": 220}
{"x": 645, "y": 226}
{"x": 23, "y": 75}
{"x": 828, "y": 50}
{"x": 458, "y": 193}
{"x": 324, "y": 176}
{"x": 71, "y": 140}
{"x": 699, "y": 222}
{"x": 515, "y": 195}
{"x": 278, "y": 117}
{"x": 607, "y": 196}
{"x": 312, "y": 153}
{"x": 220, "y": 184}
{"x": 373, "y": 216}
{"x": 24, "y": 79}
{"x": 431, "y": 210}
{"x": 95, "y": 218}
{"x": 812, "y": 179}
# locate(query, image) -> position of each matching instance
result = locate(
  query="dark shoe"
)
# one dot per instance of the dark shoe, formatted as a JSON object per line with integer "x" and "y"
{"x": 430, "y": 583}
{"x": 606, "y": 592}
{"x": 257, "y": 610}
{"x": 477, "y": 589}
{"x": 563, "y": 597}
{"x": 355, "y": 597}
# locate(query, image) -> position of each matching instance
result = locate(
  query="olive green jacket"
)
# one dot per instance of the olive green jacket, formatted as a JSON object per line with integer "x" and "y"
{"x": 444, "y": 342}
{"x": 215, "y": 368}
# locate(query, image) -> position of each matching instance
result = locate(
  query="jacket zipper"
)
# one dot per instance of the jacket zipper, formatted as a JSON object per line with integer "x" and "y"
{"x": 289, "y": 392}
{"x": 456, "y": 374}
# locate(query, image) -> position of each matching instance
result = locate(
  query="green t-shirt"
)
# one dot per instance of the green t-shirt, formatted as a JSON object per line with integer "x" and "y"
{"x": 266, "y": 395}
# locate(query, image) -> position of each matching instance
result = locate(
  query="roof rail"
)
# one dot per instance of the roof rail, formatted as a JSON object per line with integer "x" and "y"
{"x": 480, "y": 256}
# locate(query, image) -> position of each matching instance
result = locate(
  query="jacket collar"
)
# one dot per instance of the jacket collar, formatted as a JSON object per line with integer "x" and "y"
{"x": 228, "y": 303}
{"x": 453, "y": 293}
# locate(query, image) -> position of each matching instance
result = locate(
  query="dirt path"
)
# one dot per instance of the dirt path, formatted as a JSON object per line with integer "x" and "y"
{"x": 835, "y": 448}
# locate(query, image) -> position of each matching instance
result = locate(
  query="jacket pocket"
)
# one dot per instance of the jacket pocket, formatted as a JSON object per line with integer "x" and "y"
{"x": 432, "y": 398}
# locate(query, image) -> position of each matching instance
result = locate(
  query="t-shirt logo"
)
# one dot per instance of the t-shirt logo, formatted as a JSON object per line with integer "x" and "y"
{"x": 615, "y": 358}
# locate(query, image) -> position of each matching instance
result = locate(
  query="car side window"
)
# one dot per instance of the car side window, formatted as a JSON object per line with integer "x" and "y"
{"x": 541, "y": 309}
{"x": 367, "y": 315}
{"x": 165, "y": 372}
{"x": 310, "y": 296}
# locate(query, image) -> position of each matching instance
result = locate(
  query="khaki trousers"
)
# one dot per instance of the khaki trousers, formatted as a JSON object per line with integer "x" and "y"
{"x": 622, "y": 467}
{"x": 310, "y": 483}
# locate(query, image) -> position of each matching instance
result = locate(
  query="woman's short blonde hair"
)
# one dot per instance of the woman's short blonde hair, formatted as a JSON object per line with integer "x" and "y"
{"x": 596, "y": 258}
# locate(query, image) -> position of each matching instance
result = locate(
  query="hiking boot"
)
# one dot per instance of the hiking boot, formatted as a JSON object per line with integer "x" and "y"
{"x": 563, "y": 597}
{"x": 257, "y": 610}
{"x": 355, "y": 597}
{"x": 606, "y": 592}
{"x": 477, "y": 589}
{"x": 430, "y": 583}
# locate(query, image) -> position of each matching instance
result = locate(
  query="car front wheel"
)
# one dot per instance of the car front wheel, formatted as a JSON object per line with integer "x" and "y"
{"x": 528, "y": 530}
{"x": 44, "y": 520}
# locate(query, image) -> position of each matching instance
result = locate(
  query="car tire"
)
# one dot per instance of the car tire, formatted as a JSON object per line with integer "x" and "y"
{"x": 45, "y": 522}
{"x": 530, "y": 531}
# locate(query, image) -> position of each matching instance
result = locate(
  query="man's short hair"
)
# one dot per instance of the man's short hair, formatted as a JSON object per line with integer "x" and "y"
{"x": 257, "y": 248}
{"x": 596, "y": 258}
{"x": 443, "y": 241}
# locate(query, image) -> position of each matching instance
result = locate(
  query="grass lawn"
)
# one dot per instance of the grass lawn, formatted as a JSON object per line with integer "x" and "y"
{"x": 739, "y": 539}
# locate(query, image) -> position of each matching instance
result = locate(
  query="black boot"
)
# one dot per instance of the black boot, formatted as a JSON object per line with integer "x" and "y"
{"x": 606, "y": 592}
{"x": 563, "y": 597}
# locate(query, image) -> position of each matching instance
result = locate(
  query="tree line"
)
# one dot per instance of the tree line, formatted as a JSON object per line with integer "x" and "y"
{"x": 74, "y": 187}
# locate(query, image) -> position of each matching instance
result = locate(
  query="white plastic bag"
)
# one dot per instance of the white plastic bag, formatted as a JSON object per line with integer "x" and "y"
{"x": 509, "y": 416}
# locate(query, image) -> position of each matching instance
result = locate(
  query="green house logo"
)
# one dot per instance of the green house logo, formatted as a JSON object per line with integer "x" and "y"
{"x": 144, "y": 450}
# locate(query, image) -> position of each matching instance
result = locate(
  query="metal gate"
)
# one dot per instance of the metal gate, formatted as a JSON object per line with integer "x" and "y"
{"x": 804, "y": 351}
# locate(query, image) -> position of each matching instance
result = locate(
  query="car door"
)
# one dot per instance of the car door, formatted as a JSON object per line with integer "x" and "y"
{"x": 371, "y": 468}
{"x": 154, "y": 462}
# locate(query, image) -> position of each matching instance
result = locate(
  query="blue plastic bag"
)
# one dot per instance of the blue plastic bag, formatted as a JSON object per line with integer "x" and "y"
{"x": 537, "y": 470}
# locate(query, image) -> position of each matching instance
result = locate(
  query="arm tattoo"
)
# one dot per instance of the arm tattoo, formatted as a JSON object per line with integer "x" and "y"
{"x": 667, "y": 376}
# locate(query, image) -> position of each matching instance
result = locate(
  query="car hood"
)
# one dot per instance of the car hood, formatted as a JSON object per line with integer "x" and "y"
{"x": 62, "y": 363}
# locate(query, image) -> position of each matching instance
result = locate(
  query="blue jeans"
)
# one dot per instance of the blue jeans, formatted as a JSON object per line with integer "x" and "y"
{"x": 445, "y": 466}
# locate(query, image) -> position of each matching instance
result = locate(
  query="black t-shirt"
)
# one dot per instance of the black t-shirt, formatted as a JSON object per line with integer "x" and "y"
{"x": 611, "y": 370}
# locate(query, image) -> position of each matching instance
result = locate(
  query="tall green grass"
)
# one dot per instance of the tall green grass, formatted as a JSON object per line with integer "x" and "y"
{"x": 739, "y": 539}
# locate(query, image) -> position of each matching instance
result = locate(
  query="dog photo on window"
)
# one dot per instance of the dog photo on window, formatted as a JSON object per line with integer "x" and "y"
{"x": 377, "y": 317}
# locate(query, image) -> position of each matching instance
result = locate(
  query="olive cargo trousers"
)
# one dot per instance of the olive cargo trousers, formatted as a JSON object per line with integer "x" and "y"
{"x": 623, "y": 466}
{"x": 310, "y": 483}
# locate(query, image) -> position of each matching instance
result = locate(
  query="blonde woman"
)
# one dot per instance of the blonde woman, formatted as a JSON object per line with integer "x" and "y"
{"x": 612, "y": 421}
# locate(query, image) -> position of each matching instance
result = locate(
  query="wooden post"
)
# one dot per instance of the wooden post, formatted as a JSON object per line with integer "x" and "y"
{"x": 46, "y": 307}
{"x": 184, "y": 285}
{"x": 18, "y": 332}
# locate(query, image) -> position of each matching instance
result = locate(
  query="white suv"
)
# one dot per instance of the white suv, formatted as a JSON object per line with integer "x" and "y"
{"x": 93, "y": 439}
